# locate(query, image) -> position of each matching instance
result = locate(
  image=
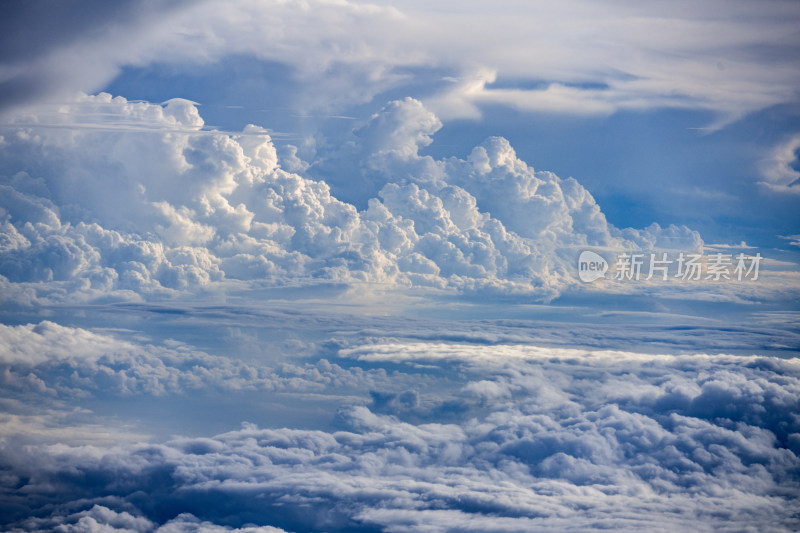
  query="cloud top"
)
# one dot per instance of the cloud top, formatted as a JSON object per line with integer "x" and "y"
{"x": 107, "y": 196}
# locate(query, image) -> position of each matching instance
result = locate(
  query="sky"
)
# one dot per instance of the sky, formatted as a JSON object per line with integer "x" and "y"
{"x": 425, "y": 266}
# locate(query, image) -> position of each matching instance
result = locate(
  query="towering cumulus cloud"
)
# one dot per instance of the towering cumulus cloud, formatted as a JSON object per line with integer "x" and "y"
{"x": 106, "y": 197}
{"x": 295, "y": 266}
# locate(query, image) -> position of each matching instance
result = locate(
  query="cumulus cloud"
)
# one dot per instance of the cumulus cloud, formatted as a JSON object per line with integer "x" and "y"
{"x": 102, "y": 519}
{"x": 395, "y": 424}
{"x": 533, "y": 438}
{"x": 149, "y": 203}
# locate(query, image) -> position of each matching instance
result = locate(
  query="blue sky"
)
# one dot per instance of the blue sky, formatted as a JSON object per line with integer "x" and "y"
{"x": 313, "y": 266}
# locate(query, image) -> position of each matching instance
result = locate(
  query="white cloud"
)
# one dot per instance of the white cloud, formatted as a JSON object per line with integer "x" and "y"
{"x": 101, "y": 519}
{"x": 32, "y": 345}
{"x": 397, "y": 424}
{"x": 777, "y": 168}
{"x": 56, "y": 361}
{"x": 581, "y": 57}
{"x": 167, "y": 208}
{"x": 527, "y": 436}
{"x": 794, "y": 240}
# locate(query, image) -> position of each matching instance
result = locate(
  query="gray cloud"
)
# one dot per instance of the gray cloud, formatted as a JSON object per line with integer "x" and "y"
{"x": 534, "y": 438}
{"x": 40, "y": 39}
{"x": 576, "y": 53}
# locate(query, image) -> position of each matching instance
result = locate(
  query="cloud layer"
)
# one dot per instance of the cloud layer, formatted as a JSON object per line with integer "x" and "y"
{"x": 685, "y": 56}
{"x": 464, "y": 437}
{"x": 189, "y": 364}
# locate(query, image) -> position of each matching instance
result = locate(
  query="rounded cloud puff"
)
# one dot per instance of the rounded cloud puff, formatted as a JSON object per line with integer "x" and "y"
{"x": 129, "y": 199}
{"x": 502, "y": 437}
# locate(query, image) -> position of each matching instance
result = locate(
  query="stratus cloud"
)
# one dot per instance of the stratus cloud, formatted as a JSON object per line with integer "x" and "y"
{"x": 534, "y": 439}
{"x": 152, "y": 204}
